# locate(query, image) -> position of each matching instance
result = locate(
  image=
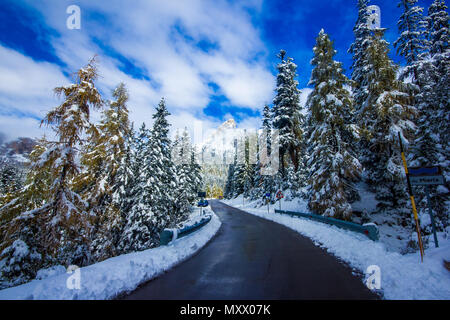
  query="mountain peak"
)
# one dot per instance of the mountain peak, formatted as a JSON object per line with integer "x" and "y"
{"x": 229, "y": 124}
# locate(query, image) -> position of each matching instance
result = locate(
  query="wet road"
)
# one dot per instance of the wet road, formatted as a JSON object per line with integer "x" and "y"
{"x": 255, "y": 259}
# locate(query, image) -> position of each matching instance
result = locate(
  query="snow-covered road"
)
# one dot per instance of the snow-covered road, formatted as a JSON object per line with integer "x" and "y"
{"x": 118, "y": 275}
{"x": 402, "y": 276}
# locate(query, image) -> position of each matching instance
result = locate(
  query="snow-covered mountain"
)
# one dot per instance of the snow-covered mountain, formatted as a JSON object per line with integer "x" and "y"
{"x": 17, "y": 150}
{"x": 216, "y": 152}
{"x": 221, "y": 139}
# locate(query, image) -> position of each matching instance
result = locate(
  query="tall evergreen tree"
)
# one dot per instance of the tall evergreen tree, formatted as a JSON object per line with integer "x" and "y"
{"x": 267, "y": 177}
{"x": 411, "y": 42}
{"x": 386, "y": 112}
{"x": 126, "y": 178}
{"x": 141, "y": 225}
{"x": 10, "y": 180}
{"x": 358, "y": 49}
{"x": 195, "y": 173}
{"x": 439, "y": 38}
{"x": 165, "y": 168}
{"x": 230, "y": 187}
{"x": 184, "y": 192}
{"x": 286, "y": 116}
{"x": 36, "y": 189}
{"x": 58, "y": 232}
{"x": 111, "y": 143}
{"x": 333, "y": 163}
{"x": 438, "y": 27}
{"x": 433, "y": 134}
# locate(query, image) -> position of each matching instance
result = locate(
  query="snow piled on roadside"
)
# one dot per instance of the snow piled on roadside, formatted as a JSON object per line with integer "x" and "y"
{"x": 402, "y": 276}
{"x": 118, "y": 275}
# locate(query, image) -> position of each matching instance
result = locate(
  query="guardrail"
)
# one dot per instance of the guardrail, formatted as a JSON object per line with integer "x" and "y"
{"x": 369, "y": 229}
{"x": 168, "y": 235}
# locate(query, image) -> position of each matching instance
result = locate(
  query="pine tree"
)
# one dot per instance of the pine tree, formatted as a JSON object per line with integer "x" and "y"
{"x": 230, "y": 192}
{"x": 141, "y": 226}
{"x": 125, "y": 180}
{"x": 10, "y": 180}
{"x": 36, "y": 189}
{"x": 432, "y": 144}
{"x": 58, "y": 232}
{"x": 286, "y": 112}
{"x": 111, "y": 143}
{"x": 184, "y": 193}
{"x": 411, "y": 42}
{"x": 333, "y": 163}
{"x": 267, "y": 179}
{"x": 386, "y": 112}
{"x": 358, "y": 49}
{"x": 165, "y": 168}
{"x": 439, "y": 38}
{"x": 244, "y": 169}
{"x": 438, "y": 31}
{"x": 196, "y": 174}
{"x": 70, "y": 120}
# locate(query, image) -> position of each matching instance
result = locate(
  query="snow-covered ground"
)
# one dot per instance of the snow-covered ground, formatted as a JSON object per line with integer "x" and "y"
{"x": 114, "y": 276}
{"x": 402, "y": 276}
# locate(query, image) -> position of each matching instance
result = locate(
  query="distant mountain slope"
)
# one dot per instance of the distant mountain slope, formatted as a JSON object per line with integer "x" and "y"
{"x": 17, "y": 150}
{"x": 213, "y": 150}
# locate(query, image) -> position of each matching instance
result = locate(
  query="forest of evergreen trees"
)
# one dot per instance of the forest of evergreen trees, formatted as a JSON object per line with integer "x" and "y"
{"x": 348, "y": 133}
{"x": 98, "y": 190}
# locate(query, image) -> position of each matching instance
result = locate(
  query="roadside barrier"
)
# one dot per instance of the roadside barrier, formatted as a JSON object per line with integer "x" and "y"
{"x": 369, "y": 229}
{"x": 168, "y": 235}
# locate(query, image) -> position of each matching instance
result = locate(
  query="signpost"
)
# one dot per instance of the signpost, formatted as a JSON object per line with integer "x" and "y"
{"x": 411, "y": 196}
{"x": 280, "y": 196}
{"x": 267, "y": 195}
{"x": 202, "y": 203}
{"x": 427, "y": 176}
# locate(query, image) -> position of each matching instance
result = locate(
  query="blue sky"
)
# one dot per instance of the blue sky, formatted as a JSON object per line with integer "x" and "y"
{"x": 211, "y": 60}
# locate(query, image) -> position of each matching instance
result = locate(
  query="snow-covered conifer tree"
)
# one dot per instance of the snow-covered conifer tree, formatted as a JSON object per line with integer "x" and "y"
{"x": 58, "y": 232}
{"x": 267, "y": 180}
{"x": 229, "y": 191}
{"x": 431, "y": 146}
{"x": 286, "y": 115}
{"x": 358, "y": 49}
{"x": 386, "y": 112}
{"x": 141, "y": 228}
{"x": 184, "y": 192}
{"x": 110, "y": 145}
{"x": 195, "y": 173}
{"x": 332, "y": 162}
{"x": 411, "y": 42}
{"x": 164, "y": 168}
{"x": 10, "y": 180}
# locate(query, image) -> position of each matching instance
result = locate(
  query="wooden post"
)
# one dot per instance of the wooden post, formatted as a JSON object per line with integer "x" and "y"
{"x": 411, "y": 196}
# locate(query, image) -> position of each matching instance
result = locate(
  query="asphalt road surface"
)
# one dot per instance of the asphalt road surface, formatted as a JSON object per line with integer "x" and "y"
{"x": 254, "y": 259}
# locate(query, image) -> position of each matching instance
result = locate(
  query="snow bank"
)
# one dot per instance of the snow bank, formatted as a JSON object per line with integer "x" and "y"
{"x": 402, "y": 276}
{"x": 114, "y": 276}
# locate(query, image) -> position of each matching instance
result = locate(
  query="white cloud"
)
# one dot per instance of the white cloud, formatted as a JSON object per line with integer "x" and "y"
{"x": 26, "y": 93}
{"x": 27, "y": 85}
{"x": 161, "y": 39}
{"x": 14, "y": 127}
